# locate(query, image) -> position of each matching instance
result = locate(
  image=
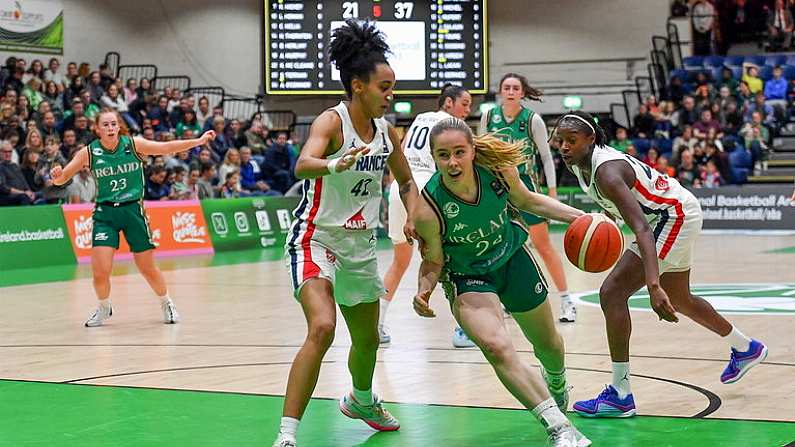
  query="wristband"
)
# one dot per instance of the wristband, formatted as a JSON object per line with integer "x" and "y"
{"x": 332, "y": 166}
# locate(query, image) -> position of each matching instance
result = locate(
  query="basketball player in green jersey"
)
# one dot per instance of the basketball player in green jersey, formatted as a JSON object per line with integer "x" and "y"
{"x": 116, "y": 161}
{"x": 512, "y": 121}
{"x": 469, "y": 241}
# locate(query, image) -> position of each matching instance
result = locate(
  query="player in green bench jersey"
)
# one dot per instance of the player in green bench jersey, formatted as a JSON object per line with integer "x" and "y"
{"x": 116, "y": 162}
{"x": 513, "y": 121}
{"x": 471, "y": 244}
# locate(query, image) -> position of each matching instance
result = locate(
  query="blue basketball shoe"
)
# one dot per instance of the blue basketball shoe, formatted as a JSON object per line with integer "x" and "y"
{"x": 741, "y": 362}
{"x": 606, "y": 405}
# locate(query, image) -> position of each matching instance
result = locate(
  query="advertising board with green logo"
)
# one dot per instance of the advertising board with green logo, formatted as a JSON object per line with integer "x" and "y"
{"x": 34, "y": 26}
{"x": 730, "y": 299}
{"x": 577, "y": 198}
{"x": 249, "y": 223}
{"x": 33, "y": 236}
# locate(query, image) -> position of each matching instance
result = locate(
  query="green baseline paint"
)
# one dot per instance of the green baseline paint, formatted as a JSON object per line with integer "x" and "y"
{"x": 39, "y": 414}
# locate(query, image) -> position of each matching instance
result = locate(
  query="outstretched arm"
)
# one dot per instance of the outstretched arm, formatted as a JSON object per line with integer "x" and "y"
{"x": 408, "y": 189}
{"x": 61, "y": 175}
{"x": 541, "y": 139}
{"x": 535, "y": 203}
{"x": 613, "y": 179}
{"x": 428, "y": 229}
{"x": 146, "y": 147}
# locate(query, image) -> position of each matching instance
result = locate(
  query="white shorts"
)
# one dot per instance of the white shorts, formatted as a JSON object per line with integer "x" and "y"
{"x": 397, "y": 212}
{"x": 676, "y": 237}
{"x": 346, "y": 258}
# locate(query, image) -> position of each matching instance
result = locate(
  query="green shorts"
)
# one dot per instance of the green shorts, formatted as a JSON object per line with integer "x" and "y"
{"x": 127, "y": 217}
{"x": 519, "y": 283}
{"x": 532, "y": 185}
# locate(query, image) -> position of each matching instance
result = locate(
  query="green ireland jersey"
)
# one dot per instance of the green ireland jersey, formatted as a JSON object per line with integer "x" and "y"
{"x": 477, "y": 237}
{"x": 119, "y": 173}
{"x": 516, "y": 130}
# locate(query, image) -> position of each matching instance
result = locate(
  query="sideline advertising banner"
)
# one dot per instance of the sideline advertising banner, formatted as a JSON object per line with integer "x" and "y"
{"x": 748, "y": 207}
{"x": 34, "y": 26}
{"x": 249, "y": 223}
{"x": 33, "y": 236}
{"x": 178, "y": 228}
{"x": 575, "y": 197}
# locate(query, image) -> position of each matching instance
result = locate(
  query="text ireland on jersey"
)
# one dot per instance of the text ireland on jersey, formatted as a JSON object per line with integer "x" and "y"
{"x": 116, "y": 170}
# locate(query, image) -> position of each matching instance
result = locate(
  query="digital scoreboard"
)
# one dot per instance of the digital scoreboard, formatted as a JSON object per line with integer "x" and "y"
{"x": 432, "y": 42}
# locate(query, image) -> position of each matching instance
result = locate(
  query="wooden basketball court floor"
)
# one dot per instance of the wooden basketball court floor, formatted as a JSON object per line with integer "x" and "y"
{"x": 217, "y": 378}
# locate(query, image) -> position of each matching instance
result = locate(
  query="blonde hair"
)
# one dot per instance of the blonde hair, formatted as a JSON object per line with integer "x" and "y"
{"x": 29, "y": 137}
{"x": 226, "y": 156}
{"x": 491, "y": 152}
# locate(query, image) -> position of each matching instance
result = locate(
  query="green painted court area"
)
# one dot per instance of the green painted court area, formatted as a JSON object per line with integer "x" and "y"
{"x": 785, "y": 250}
{"x": 38, "y": 414}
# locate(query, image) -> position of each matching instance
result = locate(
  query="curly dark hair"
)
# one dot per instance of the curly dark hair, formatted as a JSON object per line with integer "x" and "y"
{"x": 356, "y": 48}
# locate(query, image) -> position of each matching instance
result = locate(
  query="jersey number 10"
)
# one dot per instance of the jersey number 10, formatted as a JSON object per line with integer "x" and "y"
{"x": 418, "y": 137}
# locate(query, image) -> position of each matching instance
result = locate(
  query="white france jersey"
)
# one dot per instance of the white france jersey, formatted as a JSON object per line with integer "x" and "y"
{"x": 351, "y": 199}
{"x": 662, "y": 199}
{"x": 417, "y": 147}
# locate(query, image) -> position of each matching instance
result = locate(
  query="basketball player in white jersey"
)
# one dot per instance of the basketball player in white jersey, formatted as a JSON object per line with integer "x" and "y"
{"x": 666, "y": 219}
{"x": 330, "y": 249}
{"x": 453, "y": 101}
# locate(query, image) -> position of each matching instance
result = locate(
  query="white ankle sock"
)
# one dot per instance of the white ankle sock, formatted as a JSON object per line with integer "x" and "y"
{"x": 621, "y": 379}
{"x": 289, "y": 426}
{"x": 105, "y": 304}
{"x": 363, "y": 397}
{"x": 164, "y": 298}
{"x": 564, "y": 295}
{"x": 383, "y": 307}
{"x": 738, "y": 340}
{"x": 550, "y": 416}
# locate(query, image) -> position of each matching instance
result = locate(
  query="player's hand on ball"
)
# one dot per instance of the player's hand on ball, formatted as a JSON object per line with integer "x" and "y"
{"x": 662, "y": 305}
{"x": 351, "y": 155}
{"x": 421, "y": 305}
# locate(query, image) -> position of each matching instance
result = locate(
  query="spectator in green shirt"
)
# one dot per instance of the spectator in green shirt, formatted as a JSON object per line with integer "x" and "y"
{"x": 727, "y": 79}
{"x": 188, "y": 122}
{"x": 621, "y": 142}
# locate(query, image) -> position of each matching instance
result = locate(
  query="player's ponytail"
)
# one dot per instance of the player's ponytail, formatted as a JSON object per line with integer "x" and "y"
{"x": 356, "y": 48}
{"x": 490, "y": 151}
{"x": 451, "y": 91}
{"x": 528, "y": 91}
{"x": 494, "y": 153}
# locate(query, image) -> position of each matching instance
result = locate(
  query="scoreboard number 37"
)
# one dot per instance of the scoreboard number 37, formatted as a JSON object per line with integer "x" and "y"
{"x": 403, "y": 10}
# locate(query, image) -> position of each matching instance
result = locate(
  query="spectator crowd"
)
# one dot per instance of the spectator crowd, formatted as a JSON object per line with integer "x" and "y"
{"x": 47, "y": 115}
{"x": 712, "y": 126}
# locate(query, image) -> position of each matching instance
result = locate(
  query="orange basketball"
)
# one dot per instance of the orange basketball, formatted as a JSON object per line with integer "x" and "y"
{"x": 593, "y": 243}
